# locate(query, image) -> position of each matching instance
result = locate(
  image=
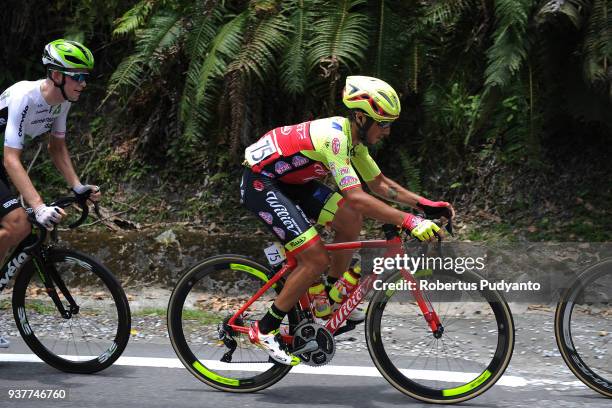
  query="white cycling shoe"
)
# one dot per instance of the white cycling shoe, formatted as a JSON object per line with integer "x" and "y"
{"x": 4, "y": 343}
{"x": 271, "y": 344}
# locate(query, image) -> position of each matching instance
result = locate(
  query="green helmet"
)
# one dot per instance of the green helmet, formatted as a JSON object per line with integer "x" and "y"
{"x": 67, "y": 54}
{"x": 374, "y": 97}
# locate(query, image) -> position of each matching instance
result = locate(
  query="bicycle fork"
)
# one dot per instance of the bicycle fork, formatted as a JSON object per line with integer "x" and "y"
{"x": 430, "y": 315}
{"x": 50, "y": 277}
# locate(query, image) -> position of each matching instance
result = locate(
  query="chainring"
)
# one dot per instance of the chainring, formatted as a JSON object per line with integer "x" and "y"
{"x": 307, "y": 331}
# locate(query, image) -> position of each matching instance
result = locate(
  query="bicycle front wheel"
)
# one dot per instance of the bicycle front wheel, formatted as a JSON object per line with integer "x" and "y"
{"x": 203, "y": 301}
{"x": 458, "y": 364}
{"x": 583, "y": 327}
{"x": 94, "y": 333}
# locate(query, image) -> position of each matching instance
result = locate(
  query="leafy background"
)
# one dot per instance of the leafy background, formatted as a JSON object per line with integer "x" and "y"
{"x": 506, "y": 104}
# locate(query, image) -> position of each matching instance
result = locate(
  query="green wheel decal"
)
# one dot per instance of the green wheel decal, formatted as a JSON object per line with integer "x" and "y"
{"x": 215, "y": 377}
{"x": 467, "y": 387}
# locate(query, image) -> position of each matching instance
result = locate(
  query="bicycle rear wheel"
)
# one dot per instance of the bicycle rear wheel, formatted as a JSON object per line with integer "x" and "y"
{"x": 204, "y": 299}
{"x": 467, "y": 359}
{"x": 96, "y": 332}
{"x": 583, "y": 327}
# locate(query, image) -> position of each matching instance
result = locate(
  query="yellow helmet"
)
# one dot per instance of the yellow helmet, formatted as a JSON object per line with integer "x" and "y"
{"x": 374, "y": 97}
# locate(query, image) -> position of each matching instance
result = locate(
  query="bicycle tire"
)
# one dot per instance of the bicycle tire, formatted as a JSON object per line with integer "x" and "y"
{"x": 435, "y": 386}
{"x": 209, "y": 370}
{"x": 567, "y": 308}
{"x": 32, "y": 313}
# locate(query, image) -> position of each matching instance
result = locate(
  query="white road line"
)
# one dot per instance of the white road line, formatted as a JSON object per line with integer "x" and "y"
{"x": 354, "y": 371}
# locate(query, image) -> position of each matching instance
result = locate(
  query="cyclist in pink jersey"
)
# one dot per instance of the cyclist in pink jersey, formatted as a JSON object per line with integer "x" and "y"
{"x": 281, "y": 187}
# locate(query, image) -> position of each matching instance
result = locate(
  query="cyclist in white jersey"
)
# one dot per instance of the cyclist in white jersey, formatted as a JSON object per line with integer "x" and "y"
{"x": 29, "y": 109}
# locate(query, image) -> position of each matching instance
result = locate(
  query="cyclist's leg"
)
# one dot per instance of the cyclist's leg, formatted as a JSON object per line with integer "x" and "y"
{"x": 263, "y": 196}
{"x": 311, "y": 262}
{"x": 273, "y": 203}
{"x": 347, "y": 224}
{"x": 13, "y": 219}
{"x": 14, "y": 225}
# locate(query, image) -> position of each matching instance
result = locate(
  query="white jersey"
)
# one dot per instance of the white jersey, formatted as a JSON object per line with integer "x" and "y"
{"x": 25, "y": 113}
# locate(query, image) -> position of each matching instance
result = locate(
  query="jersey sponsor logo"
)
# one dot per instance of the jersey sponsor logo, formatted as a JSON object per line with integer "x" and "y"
{"x": 10, "y": 202}
{"x": 298, "y": 161}
{"x": 300, "y": 129}
{"x": 336, "y": 145}
{"x": 56, "y": 110}
{"x": 344, "y": 170}
{"x": 296, "y": 243}
{"x": 258, "y": 185}
{"x": 282, "y": 213}
{"x": 266, "y": 216}
{"x": 23, "y": 115}
{"x": 41, "y": 111}
{"x": 285, "y": 130}
{"x": 348, "y": 180}
{"x": 279, "y": 232}
{"x": 282, "y": 167}
{"x": 336, "y": 125}
{"x": 267, "y": 174}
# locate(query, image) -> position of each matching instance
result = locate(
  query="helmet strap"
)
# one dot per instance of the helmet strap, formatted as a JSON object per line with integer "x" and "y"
{"x": 60, "y": 85}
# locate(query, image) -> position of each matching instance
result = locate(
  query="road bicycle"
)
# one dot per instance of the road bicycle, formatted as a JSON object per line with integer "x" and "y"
{"x": 583, "y": 327}
{"x": 438, "y": 346}
{"x": 69, "y": 308}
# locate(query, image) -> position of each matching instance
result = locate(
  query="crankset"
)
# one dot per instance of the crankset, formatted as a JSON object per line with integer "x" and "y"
{"x": 313, "y": 343}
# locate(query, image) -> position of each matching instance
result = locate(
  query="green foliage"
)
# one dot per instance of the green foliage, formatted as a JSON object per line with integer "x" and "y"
{"x": 293, "y": 59}
{"x": 510, "y": 42}
{"x": 410, "y": 173}
{"x": 342, "y": 36}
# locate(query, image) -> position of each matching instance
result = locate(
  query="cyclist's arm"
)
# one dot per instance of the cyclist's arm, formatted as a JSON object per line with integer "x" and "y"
{"x": 19, "y": 176}
{"x": 61, "y": 158}
{"x": 372, "y": 207}
{"x": 388, "y": 189}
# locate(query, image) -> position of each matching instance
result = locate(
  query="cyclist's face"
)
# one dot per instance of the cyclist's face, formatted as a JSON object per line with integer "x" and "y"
{"x": 75, "y": 84}
{"x": 376, "y": 133}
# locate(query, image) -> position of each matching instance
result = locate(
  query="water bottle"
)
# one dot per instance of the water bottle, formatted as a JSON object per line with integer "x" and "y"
{"x": 344, "y": 285}
{"x": 318, "y": 297}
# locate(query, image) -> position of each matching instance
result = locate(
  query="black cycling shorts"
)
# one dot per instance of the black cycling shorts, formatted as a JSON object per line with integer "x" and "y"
{"x": 8, "y": 201}
{"x": 289, "y": 211}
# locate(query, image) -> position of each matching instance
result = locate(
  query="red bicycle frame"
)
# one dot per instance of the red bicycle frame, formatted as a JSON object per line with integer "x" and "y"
{"x": 393, "y": 246}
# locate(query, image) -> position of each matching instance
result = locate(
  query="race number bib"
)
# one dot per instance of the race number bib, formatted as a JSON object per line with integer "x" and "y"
{"x": 275, "y": 253}
{"x": 260, "y": 150}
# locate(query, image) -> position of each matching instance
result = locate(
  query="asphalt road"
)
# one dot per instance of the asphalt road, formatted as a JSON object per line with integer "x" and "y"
{"x": 165, "y": 383}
